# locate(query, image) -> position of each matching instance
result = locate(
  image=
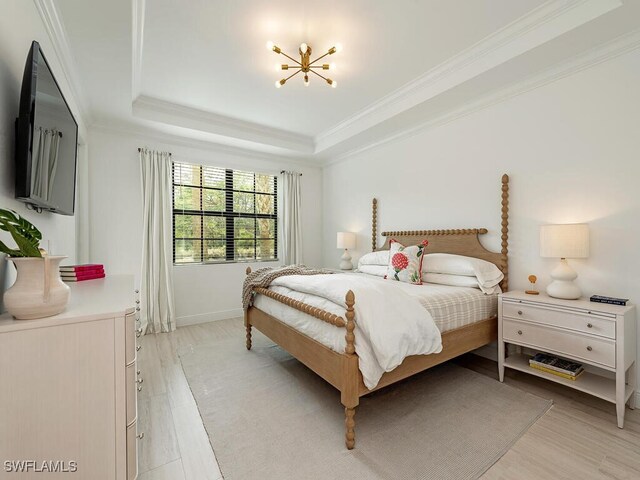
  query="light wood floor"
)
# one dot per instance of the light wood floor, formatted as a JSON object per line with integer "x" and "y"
{"x": 576, "y": 439}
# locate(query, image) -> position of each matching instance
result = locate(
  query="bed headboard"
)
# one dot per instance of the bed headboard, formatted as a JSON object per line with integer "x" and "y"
{"x": 457, "y": 241}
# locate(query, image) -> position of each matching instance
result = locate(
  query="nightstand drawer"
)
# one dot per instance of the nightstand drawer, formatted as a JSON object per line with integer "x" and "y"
{"x": 588, "y": 348}
{"x": 592, "y": 324}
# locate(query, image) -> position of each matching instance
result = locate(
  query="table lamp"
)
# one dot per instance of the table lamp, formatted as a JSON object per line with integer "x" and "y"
{"x": 346, "y": 240}
{"x": 564, "y": 241}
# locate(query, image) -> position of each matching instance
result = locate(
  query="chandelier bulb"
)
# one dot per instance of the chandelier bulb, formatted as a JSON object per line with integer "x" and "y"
{"x": 278, "y": 83}
{"x": 334, "y": 84}
{"x": 270, "y": 45}
{"x": 303, "y": 48}
{"x": 338, "y": 47}
{"x": 332, "y": 66}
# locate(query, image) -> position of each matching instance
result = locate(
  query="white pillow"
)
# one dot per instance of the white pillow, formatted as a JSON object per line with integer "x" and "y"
{"x": 453, "y": 280}
{"x": 381, "y": 257}
{"x": 487, "y": 273}
{"x": 377, "y": 270}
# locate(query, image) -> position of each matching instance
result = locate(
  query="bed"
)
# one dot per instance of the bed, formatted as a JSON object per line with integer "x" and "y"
{"x": 332, "y": 353}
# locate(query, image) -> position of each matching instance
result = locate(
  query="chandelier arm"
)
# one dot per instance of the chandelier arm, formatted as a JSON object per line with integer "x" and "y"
{"x": 293, "y": 75}
{"x": 321, "y": 56}
{"x": 292, "y": 59}
{"x": 313, "y": 71}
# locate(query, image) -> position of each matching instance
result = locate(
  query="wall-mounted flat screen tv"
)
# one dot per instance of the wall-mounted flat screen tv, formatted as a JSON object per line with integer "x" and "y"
{"x": 46, "y": 140}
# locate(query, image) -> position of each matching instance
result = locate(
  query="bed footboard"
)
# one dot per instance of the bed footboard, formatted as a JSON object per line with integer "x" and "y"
{"x": 339, "y": 369}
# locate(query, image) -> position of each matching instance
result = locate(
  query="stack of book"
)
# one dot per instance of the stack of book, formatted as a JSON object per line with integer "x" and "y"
{"x": 78, "y": 273}
{"x": 556, "y": 366}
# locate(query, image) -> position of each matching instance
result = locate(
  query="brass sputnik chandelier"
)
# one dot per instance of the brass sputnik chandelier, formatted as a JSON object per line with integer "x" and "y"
{"x": 305, "y": 65}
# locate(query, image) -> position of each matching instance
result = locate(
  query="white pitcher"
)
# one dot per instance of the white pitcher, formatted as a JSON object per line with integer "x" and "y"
{"x": 38, "y": 290}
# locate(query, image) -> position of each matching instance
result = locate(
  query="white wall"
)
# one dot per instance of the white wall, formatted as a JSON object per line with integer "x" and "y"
{"x": 20, "y": 24}
{"x": 572, "y": 150}
{"x": 202, "y": 292}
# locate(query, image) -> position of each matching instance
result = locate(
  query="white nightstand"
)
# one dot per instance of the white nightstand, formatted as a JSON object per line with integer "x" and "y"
{"x": 595, "y": 334}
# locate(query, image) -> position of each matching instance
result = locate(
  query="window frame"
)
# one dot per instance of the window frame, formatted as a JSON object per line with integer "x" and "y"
{"x": 229, "y": 217}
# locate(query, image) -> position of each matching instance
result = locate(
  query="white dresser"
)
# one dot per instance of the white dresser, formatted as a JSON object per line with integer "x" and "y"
{"x": 598, "y": 335}
{"x": 68, "y": 387}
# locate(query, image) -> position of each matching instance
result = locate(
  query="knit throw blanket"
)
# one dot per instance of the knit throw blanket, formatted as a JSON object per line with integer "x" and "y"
{"x": 264, "y": 276}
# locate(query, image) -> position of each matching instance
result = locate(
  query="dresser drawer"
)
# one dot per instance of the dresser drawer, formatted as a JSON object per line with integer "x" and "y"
{"x": 589, "y": 348}
{"x": 132, "y": 452}
{"x": 132, "y": 393}
{"x": 592, "y": 324}
{"x": 130, "y": 338}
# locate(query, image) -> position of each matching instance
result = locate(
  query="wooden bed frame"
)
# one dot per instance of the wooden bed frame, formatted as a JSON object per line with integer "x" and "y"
{"x": 341, "y": 369}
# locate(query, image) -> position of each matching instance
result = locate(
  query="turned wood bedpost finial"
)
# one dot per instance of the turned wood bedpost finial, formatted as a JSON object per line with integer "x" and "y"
{"x": 374, "y": 233}
{"x": 505, "y": 232}
{"x": 350, "y": 300}
{"x": 248, "y": 270}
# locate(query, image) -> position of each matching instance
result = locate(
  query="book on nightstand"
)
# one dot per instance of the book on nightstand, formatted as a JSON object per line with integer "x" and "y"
{"x": 555, "y": 372}
{"x": 609, "y": 300}
{"x": 556, "y": 366}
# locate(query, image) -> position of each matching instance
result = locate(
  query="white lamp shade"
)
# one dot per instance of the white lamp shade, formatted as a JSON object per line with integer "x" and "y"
{"x": 564, "y": 241}
{"x": 346, "y": 240}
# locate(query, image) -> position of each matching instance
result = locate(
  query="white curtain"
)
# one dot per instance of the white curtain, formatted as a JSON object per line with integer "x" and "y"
{"x": 157, "y": 310}
{"x": 291, "y": 218}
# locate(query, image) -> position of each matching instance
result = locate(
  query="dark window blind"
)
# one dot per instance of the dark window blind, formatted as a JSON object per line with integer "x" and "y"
{"x": 223, "y": 215}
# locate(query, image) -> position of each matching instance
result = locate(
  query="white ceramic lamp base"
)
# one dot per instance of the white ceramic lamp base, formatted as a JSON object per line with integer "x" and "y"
{"x": 345, "y": 261}
{"x": 562, "y": 285}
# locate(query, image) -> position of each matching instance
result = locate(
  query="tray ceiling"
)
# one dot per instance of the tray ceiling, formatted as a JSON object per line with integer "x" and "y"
{"x": 201, "y": 69}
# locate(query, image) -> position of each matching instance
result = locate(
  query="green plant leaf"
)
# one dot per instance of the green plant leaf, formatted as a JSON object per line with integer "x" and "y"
{"x": 9, "y": 251}
{"x": 26, "y": 247}
{"x": 13, "y": 223}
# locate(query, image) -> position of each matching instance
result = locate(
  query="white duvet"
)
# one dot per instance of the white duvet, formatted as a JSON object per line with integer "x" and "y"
{"x": 390, "y": 324}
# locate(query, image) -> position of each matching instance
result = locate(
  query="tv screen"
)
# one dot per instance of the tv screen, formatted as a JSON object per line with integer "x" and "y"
{"x": 46, "y": 140}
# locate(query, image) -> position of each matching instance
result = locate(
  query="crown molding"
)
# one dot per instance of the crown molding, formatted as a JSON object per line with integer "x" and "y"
{"x": 121, "y": 128}
{"x": 182, "y": 116}
{"x": 542, "y": 24}
{"x": 58, "y": 35}
{"x": 610, "y": 50}
{"x": 138, "y": 16}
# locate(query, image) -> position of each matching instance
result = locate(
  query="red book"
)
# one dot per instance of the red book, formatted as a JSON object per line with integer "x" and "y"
{"x": 81, "y": 279}
{"x": 81, "y": 268}
{"x": 82, "y": 274}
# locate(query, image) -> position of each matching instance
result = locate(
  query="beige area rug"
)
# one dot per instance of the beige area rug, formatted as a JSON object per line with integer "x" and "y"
{"x": 270, "y": 418}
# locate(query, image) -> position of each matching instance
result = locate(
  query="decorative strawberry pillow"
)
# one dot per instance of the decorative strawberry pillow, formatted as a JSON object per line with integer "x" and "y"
{"x": 405, "y": 263}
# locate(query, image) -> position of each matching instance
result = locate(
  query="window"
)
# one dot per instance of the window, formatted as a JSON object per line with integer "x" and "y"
{"x": 223, "y": 215}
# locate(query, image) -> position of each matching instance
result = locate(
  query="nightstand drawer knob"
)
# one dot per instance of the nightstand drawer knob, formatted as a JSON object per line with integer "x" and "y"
{"x": 589, "y": 348}
{"x": 589, "y": 325}
{"x": 519, "y": 312}
{"x": 519, "y": 332}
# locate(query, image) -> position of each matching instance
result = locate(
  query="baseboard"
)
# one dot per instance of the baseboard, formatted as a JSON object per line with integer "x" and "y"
{"x": 208, "y": 317}
{"x": 488, "y": 351}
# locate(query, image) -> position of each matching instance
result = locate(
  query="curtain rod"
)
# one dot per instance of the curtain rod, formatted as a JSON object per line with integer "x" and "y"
{"x": 284, "y": 171}
{"x": 140, "y": 149}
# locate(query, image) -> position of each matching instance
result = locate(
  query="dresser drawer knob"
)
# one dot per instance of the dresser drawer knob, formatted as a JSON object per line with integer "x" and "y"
{"x": 138, "y": 347}
{"x": 138, "y": 372}
{"x": 589, "y": 348}
{"x": 140, "y": 380}
{"x": 139, "y": 388}
{"x": 137, "y": 309}
{"x": 137, "y": 301}
{"x": 589, "y": 325}
{"x": 519, "y": 312}
{"x": 137, "y": 291}
{"x": 519, "y": 332}
{"x": 140, "y": 436}
{"x": 138, "y": 333}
